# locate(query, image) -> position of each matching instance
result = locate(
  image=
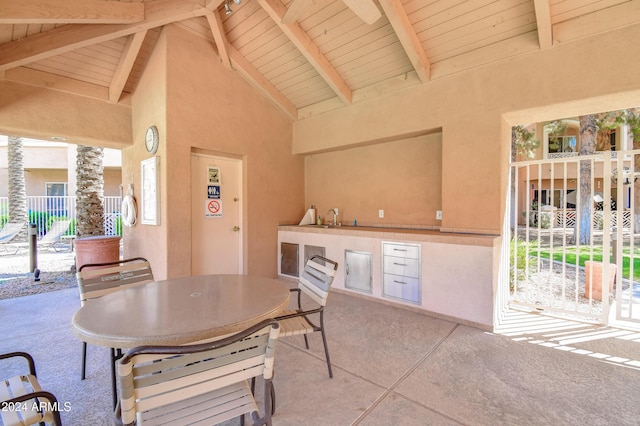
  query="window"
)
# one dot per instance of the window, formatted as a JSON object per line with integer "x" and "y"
{"x": 612, "y": 140}
{"x": 562, "y": 144}
{"x": 56, "y": 189}
{"x": 546, "y": 198}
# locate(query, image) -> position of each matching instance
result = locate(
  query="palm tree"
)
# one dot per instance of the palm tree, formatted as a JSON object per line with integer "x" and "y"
{"x": 17, "y": 187}
{"x": 90, "y": 192}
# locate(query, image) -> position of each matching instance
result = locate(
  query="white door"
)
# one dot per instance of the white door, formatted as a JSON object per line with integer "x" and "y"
{"x": 216, "y": 215}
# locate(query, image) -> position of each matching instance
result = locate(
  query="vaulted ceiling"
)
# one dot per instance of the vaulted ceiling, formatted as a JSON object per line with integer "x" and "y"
{"x": 306, "y": 56}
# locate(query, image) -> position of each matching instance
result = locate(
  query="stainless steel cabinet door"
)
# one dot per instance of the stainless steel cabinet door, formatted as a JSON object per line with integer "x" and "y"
{"x": 357, "y": 272}
{"x": 289, "y": 259}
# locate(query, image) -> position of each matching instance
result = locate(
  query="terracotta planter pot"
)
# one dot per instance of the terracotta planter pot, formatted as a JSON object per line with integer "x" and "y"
{"x": 593, "y": 283}
{"x": 98, "y": 249}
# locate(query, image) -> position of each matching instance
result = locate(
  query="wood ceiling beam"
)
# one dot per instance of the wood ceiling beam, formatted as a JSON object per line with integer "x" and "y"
{"x": 58, "y": 83}
{"x": 399, "y": 20}
{"x": 125, "y": 65}
{"x": 296, "y": 8}
{"x": 70, "y": 37}
{"x": 70, "y": 12}
{"x": 543, "y": 21}
{"x": 220, "y": 37}
{"x": 309, "y": 50}
{"x": 260, "y": 82}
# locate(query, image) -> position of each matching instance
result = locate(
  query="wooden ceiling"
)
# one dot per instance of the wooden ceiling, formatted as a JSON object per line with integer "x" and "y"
{"x": 325, "y": 58}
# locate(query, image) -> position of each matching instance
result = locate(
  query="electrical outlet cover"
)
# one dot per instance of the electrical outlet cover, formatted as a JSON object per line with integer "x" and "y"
{"x": 380, "y": 213}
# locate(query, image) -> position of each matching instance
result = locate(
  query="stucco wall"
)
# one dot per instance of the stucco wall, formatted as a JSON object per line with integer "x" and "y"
{"x": 196, "y": 103}
{"x": 403, "y": 178}
{"x": 215, "y": 110}
{"x": 581, "y": 77}
{"x": 149, "y": 103}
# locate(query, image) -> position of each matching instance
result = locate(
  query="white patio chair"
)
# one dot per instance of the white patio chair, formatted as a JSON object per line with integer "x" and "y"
{"x": 9, "y": 233}
{"x": 315, "y": 282}
{"x": 24, "y": 391}
{"x": 97, "y": 279}
{"x": 52, "y": 237}
{"x": 207, "y": 383}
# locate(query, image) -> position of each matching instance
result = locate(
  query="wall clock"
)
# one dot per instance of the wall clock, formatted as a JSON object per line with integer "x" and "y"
{"x": 152, "y": 139}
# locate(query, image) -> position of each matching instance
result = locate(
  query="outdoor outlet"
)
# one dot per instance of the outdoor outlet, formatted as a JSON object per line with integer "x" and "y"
{"x": 438, "y": 214}
{"x": 380, "y": 213}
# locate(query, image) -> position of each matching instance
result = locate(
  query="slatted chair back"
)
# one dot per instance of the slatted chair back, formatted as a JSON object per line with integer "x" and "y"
{"x": 97, "y": 279}
{"x": 316, "y": 278}
{"x": 206, "y": 382}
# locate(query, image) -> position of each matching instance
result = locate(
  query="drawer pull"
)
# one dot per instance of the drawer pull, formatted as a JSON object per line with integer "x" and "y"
{"x": 399, "y": 264}
{"x": 399, "y": 282}
{"x": 396, "y": 249}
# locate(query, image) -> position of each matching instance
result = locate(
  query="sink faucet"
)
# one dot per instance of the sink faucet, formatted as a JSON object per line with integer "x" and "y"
{"x": 335, "y": 216}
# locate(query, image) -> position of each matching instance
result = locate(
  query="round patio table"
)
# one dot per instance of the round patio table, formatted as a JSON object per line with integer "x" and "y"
{"x": 180, "y": 310}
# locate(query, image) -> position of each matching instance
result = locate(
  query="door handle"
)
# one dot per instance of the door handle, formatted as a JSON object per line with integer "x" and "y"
{"x": 235, "y": 228}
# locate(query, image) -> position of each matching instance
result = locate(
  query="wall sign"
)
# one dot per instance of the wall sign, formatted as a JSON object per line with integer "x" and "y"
{"x": 214, "y": 175}
{"x": 213, "y": 208}
{"x": 150, "y": 191}
{"x": 213, "y": 191}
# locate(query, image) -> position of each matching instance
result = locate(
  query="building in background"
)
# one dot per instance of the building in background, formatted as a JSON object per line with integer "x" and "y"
{"x": 50, "y": 168}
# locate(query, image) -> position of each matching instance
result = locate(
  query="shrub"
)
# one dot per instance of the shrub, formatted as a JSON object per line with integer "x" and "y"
{"x": 519, "y": 253}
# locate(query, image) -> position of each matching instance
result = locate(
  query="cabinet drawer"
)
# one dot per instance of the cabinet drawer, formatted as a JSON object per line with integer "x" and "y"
{"x": 404, "y": 288}
{"x": 401, "y": 250}
{"x": 402, "y": 266}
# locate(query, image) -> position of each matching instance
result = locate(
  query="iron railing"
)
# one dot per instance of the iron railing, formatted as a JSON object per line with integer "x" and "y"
{"x": 44, "y": 209}
{"x": 584, "y": 270}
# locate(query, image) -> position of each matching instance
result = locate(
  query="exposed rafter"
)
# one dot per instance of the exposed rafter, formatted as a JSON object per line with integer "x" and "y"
{"x": 408, "y": 38}
{"x": 70, "y": 37}
{"x": 125, "y": 65}
{"x": 215, "y": 23}
{"x": 296, "y": 8}
{"x": 70, "y": 12}
{"x": 543, "y": 19}
{"x": 49, "y": 81}
{"x": 308, "y": 57}
{"x": 309, "y": 50}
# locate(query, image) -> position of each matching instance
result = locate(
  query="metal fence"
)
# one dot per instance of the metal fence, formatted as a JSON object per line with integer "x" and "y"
{"x": 43, "y": 210}
{"x": 571, "y": 260}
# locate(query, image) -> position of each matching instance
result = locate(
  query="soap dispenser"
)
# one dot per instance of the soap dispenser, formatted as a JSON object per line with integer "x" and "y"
{"x": 319, "y": 220}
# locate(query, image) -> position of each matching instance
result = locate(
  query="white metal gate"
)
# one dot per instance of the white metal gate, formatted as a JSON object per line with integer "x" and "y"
{"x": 571, "y": 261}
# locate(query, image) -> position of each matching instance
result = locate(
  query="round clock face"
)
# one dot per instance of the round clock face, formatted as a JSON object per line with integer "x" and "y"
{"x": 152, "y": 140}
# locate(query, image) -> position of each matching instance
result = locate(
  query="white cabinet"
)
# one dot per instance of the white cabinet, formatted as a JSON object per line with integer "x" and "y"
{"x": 357, "y": 271}
{"x": 401, "y": 271}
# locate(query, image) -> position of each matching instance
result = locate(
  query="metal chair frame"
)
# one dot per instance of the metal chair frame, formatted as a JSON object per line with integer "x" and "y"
{"x": 205, "y": 383}
{"x": 315, "y": 281}
{"x": 25, "y": 392}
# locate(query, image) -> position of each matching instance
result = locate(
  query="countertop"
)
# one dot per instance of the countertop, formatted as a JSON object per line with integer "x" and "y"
{"x": 405, "y": 234}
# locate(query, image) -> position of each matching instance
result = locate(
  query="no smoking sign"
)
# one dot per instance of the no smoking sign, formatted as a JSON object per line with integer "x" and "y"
{"x": 213, "y": 208}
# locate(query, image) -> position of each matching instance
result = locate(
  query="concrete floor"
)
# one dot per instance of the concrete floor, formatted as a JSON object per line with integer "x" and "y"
{"x": 391, "y": 367}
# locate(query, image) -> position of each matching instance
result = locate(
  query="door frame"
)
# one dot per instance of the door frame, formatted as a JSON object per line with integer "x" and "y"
{"x": 243, "y": 190}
